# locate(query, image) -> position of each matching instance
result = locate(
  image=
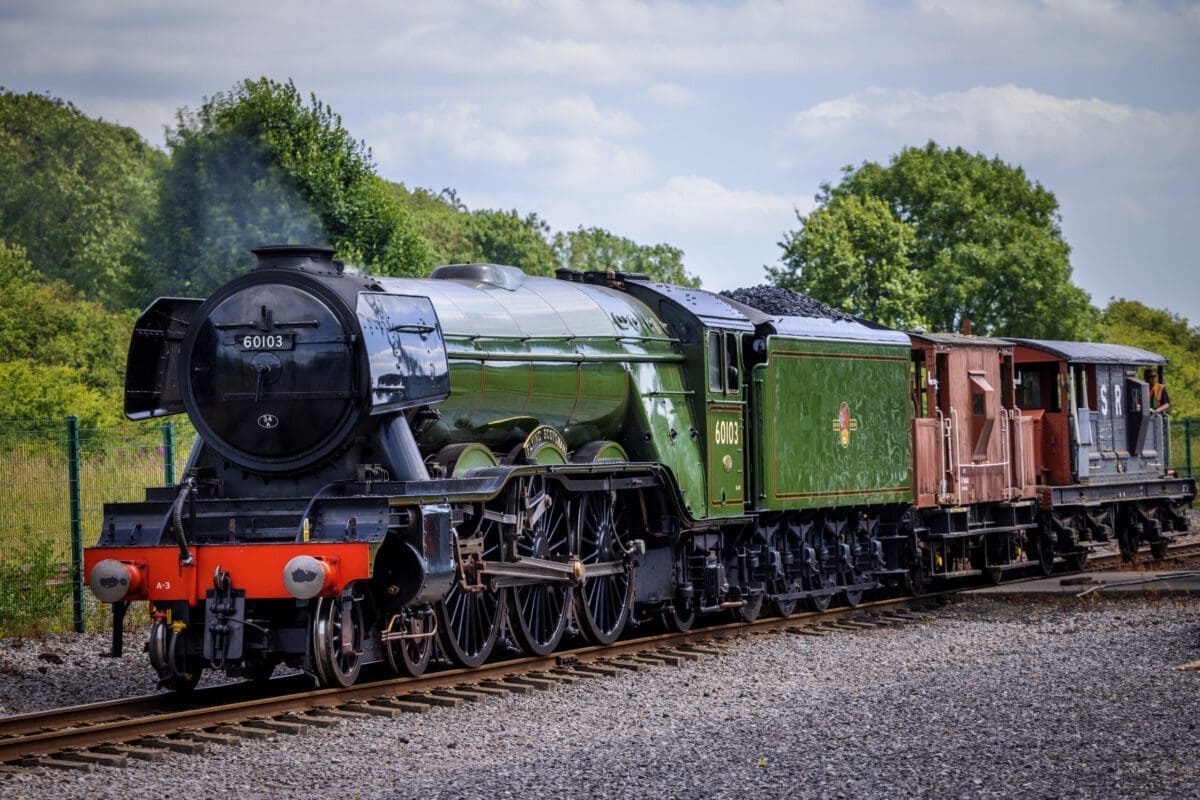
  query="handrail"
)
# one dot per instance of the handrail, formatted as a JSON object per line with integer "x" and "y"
{"x": 1007, "y": 448}
{"x": 956, "y": 443}
{"x": 943, "y": 446}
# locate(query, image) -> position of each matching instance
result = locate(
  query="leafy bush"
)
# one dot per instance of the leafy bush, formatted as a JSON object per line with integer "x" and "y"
{"x": 60, "y": 353}
{"x": 35, "y": 587}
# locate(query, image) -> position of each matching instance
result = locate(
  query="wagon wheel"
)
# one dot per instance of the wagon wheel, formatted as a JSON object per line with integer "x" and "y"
{"x": 1128, "y": 541}
{"x": 1159, "y": 549}
{"x": 819, "y": 577}
{"x": 784, "y": 608}
{"x": 1045, "y": 552}
{"x": 469, "y": 616}
{"x": 792, "y": 546}
{"x": 820, "y": 602}
{"x": 538, "y": 611}
{"x": 853, "y": 596}
{"x": 410, "y": 656}
{"x": 602, "y": 602}
{"x": 337, "y": 640}
{"x": 679, "y": 617}
{"x": 1076, "y": 561}
{"x": 916, "y": 578}
{"x": 750, "y": 610}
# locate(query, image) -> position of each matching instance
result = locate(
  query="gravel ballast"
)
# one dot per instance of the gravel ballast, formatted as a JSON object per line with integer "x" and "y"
{"x": 989, "y": 699}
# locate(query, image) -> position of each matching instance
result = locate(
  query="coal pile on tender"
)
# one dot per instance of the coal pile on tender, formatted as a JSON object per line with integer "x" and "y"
{"x": 776, "y": 300}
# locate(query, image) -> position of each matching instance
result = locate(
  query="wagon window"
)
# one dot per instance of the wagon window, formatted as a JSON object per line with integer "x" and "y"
{"x": 1031, "y": 390}
{"x": 1039, "y": 388}
{"x": 980, "y": 389}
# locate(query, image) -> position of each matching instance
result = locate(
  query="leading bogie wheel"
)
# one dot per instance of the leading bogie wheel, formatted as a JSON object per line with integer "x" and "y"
{"x": 337, "y": 640}
{"x": 176, "y": 672}
{"x": 602, "y": 600}
{"x": 410, "y": 655}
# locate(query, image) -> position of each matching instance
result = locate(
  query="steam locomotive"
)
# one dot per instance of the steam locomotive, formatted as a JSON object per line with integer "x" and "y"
{"x": 386, "y": 468}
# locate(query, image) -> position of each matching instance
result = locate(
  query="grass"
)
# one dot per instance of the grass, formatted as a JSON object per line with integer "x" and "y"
{"x": 116, "y": 464}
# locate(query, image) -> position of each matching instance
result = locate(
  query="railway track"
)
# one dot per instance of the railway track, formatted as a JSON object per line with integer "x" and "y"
{"x": 1177, "y": 552}
{"x": 112, "y": 732}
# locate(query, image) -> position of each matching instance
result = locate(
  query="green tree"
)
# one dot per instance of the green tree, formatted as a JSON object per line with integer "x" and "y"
{"x": 505, "y": 237}
{"x": 59, "y": 353}
{"x": 1131, "y": 323}
{"x": 76, "y": 193}
{"x": 597, "y": 249}
{"x": 458, "y": 235}
{"x": 986, "y": 246}
{"x": 854, "y": 248}
{"x": 443, "y": 221}
{"x": 257, "y": 165}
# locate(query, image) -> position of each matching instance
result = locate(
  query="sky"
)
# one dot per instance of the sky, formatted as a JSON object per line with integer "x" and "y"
{"x": 705, "y": 125}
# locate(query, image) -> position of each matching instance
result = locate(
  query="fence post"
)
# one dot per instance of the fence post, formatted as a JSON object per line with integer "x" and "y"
{"x": 168, "y": 439}
{"x": 76, "y": 521}
{"x": 1187, "y": 444}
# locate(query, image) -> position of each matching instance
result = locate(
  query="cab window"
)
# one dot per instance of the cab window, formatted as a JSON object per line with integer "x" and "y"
{"x": 723, "y": 376}
{"x": 715, "y": 360}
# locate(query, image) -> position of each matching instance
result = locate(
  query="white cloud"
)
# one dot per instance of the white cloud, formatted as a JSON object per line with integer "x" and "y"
{"x": 567, "y": 141}
{"x": 1017, "y": 123}
{"x": 693, "y": 203}
{"x": 454, "y": 130}
{"x": 576, "y": 113}
{"x": 671, "y": 95}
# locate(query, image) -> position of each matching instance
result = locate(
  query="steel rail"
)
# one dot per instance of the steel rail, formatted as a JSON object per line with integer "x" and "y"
{"x": 1175, "y": 551}
{"x": 126, "y": 721}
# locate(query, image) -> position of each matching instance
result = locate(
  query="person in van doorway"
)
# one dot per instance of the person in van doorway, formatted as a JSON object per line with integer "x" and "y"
{"x": 1160, "y": 401}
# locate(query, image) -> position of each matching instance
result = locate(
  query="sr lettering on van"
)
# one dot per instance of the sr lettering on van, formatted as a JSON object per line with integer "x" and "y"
{"x": 1117, "y": 405}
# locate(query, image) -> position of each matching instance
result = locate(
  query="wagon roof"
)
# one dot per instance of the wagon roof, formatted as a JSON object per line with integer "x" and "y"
{"x": 1093, "y": 352}
{"x": 960, "y": 339}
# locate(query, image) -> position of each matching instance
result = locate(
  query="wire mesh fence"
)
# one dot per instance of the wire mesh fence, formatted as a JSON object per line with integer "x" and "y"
{"x": 55, "y": 478}
{"x": 1184, "y": 445}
